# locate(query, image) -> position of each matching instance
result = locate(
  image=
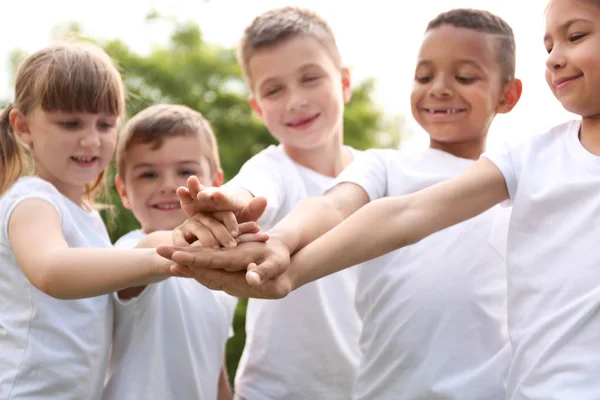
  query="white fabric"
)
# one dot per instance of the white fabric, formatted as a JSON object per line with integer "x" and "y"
{"x": 553, "y": 259}
{"x": 51, "y": 348}
{"x": 304, "y": 346}
{"x": 169, "y": 341}
{"x": 434, "y": 313}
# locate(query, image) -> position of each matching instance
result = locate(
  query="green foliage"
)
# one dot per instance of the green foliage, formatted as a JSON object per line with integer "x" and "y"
{"x": 206, "y": 77}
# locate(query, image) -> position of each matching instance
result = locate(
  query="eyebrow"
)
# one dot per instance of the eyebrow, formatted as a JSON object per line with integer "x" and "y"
{"x": 150, "y": 165}
{"x": 460, "y": 62}
{"x": 566, "y": 26}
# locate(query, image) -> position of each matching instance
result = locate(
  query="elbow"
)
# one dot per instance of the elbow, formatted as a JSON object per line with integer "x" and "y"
{"x": 47, "y": 282}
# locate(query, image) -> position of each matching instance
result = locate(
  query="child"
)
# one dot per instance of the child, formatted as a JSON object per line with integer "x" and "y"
{"x": 433, "y": 314}
{"x": 293, "y": 69}
{"x": 56, "y": 257}
{"x": 168, "y": 342}
{"x": 553, "y": 182}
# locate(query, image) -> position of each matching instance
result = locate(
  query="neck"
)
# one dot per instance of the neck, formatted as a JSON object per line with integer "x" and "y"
{"x": 470, "y": 150}
{"x": 73, "y": 193}
{"x": 590, "y": 134}
{"x": 328, "y": 159}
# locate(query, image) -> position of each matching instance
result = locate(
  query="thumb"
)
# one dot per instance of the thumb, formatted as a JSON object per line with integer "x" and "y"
{"x": 254, "y": 210}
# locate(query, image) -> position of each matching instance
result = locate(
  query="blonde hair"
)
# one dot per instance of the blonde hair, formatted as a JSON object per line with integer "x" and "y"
{"x": 279, "y": 25}
{"x": 67, "y": 77}
{"x": 156, "y": 123}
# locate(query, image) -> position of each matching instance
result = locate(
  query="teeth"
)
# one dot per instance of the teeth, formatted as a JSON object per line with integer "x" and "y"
{"x": 166, "y": 206}
{"x": 445, "y": 111}
{"x": 84, "y": 159}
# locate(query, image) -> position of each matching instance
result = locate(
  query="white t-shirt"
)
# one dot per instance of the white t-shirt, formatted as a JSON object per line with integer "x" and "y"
{"x": 553, "y": 266}
{"x": 434, "y": 313}
{"x": 304, "y": 346}
{"x": 51, "y": 348}
{"x": 169, "y": 341}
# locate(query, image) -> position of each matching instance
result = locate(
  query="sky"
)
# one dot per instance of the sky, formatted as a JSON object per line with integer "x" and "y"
{"x": 377, "y": 38}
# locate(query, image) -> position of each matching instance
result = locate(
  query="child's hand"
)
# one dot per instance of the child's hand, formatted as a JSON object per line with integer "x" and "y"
{"x": 201, "y": 230}
{"x": 258, "y": 262}
{"x": 195, "y": 198}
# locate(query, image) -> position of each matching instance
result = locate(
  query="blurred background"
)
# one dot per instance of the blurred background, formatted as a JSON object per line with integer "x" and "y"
{"x": 183, "y": 51}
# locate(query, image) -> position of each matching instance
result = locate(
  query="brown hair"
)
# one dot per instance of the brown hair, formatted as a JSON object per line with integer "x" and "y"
{"x": 485, "y": 22}
{"x": 68, "y": 77}
{"x": 156, "y": 123}
{"x": 279, "y": 25}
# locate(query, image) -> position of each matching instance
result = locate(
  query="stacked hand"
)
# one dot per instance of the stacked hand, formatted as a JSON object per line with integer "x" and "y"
{"x": 221, "y": 246}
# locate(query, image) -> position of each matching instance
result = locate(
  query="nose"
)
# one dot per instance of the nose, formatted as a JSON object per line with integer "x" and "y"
{"x": 440, "y": 88}
{"x": 556, "y": 60}
{"x": 168, "y": 184}
{"x": 90, "y": 138}
{"x": 297, "y": 100}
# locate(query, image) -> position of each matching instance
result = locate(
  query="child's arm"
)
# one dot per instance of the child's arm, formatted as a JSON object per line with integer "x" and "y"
{"x": 395, "y": 222}
{"x": 309, "y": 220}
{"x": 224, "y": 389}
{"x": 35, "y": 234}
{"x": 377, "y": 228}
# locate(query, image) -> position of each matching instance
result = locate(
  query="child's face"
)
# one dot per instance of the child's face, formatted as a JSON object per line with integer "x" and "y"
{"x": 573, "y": 67}
{"x": 70, "y": 149}
{"x": 457, "y": 85}
{"x": 299, "y": 93}
{"x": 153, "y": 175}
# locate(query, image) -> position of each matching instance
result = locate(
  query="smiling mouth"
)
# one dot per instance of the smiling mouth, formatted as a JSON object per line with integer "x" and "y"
{"x": 443, "y": 111}
{"x": 302, "y": 122}
{"x": 84, "y": 160}
{"x": 167, "y": 206}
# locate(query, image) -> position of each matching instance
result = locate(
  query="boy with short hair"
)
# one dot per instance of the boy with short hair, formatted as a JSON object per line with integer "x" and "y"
{"x": 433, "y": 313}
{"x": 169, "y": 338}
{"x": 304, "y": 346}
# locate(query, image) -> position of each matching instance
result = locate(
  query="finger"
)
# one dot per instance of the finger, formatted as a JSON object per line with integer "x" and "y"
{"x": 194, "y": 186}
{"x": 253, "y": 210}
{"x": 184, "y": 195}
{"x": 180, "y": 238}
{"x": 231, "y": 259}
{"x": 165, "y": 251}
{"x": 252, "y": 237}
{"x": 271, "y": 268}
{"x": 223, "y": 201}
{"x": 248, "y": 227}
{"x": 233, "y": 283}
{"x": 228, "y": 219}
{"x": 219, "y": 231}
{"x": 181, "y": 271}
{"x": 194, "y": 230}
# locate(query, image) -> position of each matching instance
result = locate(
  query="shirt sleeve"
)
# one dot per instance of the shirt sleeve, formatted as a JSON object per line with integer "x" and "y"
{"x": 504, "y": 159}
{"x": 26, "y": 189}
{"x": 263, "y": 175}
{"x": 369, "y": 171}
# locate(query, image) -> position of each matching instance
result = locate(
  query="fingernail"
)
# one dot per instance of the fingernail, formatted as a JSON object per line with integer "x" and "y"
{"x": 234, "y": 233}
{"x": 232, "y": 243}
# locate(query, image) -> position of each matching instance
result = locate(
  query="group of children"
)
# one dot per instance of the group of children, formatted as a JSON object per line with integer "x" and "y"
{"x": 457, "y": 297}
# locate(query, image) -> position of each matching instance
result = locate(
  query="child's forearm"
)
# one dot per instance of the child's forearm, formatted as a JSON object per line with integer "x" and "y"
{"x": 377, "y": 228}
{"x": 224, "y": 389}
{"x": 71, "y": 273}
{"x": 314, "y": 216}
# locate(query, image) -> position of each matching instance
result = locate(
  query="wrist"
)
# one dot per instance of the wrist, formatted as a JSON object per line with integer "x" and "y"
{"x": 289, "y": 240}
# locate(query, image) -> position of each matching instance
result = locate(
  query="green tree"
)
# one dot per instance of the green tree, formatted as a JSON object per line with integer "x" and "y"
{"x": 206, "y": 77}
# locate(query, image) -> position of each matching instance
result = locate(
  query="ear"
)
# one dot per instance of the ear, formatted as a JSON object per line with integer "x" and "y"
{"x": 510, "y": 96}
{"x": 255, "y": 106}
{"x": 122, "y": 192}
{"x": 218, "y": 179}
{"x": 20, "y": 126}
{"x": 346, "y": 85}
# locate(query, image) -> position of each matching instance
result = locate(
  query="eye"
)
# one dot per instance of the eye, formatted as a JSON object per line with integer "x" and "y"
{"x": 423, "y": 79}
{"x": 311, "y": 78}
{"x": 187, "y": 172}
{"x": 69, "y": 124}
{"x": 105, "y": 126}
{"x": 272, "y": 91}
{"x": 466, "y": 79}
{"x": 147, "y": 175}
{"x": 577, "y": 36}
